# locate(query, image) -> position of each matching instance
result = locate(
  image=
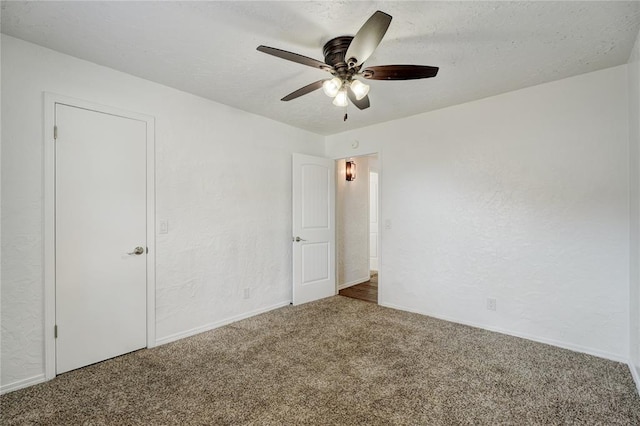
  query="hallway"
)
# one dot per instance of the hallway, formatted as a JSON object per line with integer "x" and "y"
{"x": 367, "y": 291}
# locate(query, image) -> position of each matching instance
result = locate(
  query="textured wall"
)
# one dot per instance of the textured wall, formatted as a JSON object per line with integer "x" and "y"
{"x": 634, "y": 204}
{"x": 352, "y": 223}
{"x": 521, "y": 197}
{"x": 223, "y": 183}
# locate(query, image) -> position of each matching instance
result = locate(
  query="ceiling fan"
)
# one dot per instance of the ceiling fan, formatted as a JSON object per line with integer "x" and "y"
{"x": 344, "y": 58}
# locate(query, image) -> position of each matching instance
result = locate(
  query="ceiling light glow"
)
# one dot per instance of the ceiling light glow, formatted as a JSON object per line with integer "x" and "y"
{"x": 341, "y": 98}
{"x": 360, "y": 90}
{"x": 332, "y": 87}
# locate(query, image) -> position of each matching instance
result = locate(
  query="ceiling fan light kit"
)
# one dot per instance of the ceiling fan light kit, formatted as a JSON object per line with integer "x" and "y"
{"x": 359, "y": 89}
{"x": 341, "y": 98}
{"x": 344, "y": 57}
{"x": 332, "y": 87}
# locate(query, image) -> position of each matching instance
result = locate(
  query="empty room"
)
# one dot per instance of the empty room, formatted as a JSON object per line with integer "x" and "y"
{"x": 190, "y": 190}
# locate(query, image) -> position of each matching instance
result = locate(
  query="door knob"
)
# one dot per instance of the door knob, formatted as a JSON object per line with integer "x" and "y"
{"x": 137, "y": 251}
{"x": 298, "y": 239}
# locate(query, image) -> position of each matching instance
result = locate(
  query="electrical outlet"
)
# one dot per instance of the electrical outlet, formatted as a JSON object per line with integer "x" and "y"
{"x": 491, "y": 304}
{"x": 247, "y": 293}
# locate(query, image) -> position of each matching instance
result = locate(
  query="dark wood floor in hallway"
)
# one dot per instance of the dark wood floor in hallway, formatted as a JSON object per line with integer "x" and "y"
{"x": 367, "y": 291}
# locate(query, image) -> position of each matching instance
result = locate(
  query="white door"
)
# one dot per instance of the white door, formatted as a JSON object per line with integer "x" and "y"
{"x": 100, "y": 219}
{"x": 373, "y": 221}
{"x": 313, "y": 228}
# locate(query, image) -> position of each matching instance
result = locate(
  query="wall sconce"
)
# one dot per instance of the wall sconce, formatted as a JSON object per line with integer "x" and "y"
{"x": 351, "y": 170}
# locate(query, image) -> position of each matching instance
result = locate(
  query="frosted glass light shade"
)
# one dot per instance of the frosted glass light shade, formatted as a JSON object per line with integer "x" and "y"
{"x": 341, "y": 99}
{"x": 359, "y": 89}
{"x": 332, "y": 87}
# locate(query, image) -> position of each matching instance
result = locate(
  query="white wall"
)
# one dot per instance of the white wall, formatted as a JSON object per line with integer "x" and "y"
{"x": 634, "y": 207}
{"x": 223, "y": 183}
{"x": 352, "y": 224}
{"x": 522, "y": 197}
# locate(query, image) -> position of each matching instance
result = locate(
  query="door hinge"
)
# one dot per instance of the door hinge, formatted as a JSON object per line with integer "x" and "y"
{"x": 55, "y": 331}
{"x": 55, "y": 132}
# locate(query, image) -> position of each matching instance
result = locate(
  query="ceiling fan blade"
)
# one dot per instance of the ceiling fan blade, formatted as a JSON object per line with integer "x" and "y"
{"x": 367, "y": 39}
{"x": 294, "y": 57}
{"x": 304, "y": 90}
{"x": 362, "y": 103}
{"x": 399, "y": 72}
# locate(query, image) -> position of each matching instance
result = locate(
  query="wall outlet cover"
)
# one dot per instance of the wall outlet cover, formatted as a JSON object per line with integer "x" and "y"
{"x": 491, "y": 304}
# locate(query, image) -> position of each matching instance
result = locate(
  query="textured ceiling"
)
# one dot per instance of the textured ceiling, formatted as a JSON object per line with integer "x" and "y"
{"x": 209, "y": 48}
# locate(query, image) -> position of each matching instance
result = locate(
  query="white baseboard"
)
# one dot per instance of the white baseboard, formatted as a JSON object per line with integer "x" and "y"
{"x": 354, "y": 282}
{"x": 30, "y": 381}
{"x": 40, "y": 378}
{"x": 635, "y": 374}
{"x": 552, "y": 342}
{"x": 217, "y": 324}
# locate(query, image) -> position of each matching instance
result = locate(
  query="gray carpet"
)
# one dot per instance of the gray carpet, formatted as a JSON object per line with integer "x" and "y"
{"x": 338, "y": 361}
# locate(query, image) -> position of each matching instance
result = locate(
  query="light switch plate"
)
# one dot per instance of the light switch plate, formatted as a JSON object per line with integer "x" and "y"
{"x": 164, "y": 227}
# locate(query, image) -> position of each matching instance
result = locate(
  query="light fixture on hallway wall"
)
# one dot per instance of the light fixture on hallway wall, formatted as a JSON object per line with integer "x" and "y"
{"x": 350, "y": 167}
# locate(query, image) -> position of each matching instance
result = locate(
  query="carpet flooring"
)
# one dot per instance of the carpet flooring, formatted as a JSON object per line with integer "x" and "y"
{"x": 338, "y": 361}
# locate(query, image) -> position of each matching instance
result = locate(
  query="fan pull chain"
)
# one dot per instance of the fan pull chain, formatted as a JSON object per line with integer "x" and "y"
{"x": 345, "y": 114}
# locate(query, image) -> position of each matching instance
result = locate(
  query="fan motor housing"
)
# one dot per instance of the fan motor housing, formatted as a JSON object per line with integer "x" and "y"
{"x": 334, "y": 51}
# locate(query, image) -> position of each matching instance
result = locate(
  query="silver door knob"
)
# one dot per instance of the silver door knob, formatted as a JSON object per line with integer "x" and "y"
{"x": 298, "y": 239}
{"x": 137, "y": 251}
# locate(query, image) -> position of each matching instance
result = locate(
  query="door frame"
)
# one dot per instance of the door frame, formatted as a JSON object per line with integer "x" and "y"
{"x": 377, "y": 153}
{"x": 377, "y": 172}
{"x": 49, "y": 248}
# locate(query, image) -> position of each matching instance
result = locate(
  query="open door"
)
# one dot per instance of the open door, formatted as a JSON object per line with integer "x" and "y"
{"x": 313, "y": 228}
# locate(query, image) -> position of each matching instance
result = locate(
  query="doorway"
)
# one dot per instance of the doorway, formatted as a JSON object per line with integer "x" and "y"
{"x": 357, "y": 242}
{"x": 99, "y": 233}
